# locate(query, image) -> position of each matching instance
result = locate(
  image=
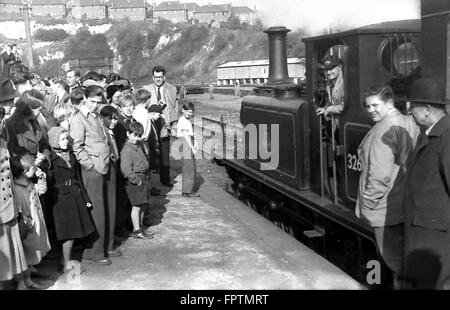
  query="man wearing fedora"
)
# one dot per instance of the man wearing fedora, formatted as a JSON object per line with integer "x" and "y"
{"x": 427, "y": 191}
{"x": 7, "y": 90}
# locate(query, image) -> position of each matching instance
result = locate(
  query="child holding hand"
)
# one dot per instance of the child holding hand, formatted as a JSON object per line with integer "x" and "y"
{"x": 29, "y": 183}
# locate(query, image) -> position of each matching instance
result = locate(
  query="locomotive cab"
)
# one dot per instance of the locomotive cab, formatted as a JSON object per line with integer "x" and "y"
{"x": 385, "y": 53}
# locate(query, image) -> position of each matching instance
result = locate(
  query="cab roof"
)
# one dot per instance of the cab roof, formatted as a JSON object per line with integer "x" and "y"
{"x": 398, "y": 26}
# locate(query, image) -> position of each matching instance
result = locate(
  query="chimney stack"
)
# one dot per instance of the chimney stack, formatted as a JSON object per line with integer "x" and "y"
{"x": 278, "y": 73}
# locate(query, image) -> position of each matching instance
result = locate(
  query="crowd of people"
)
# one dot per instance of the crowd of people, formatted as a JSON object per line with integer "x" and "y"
{"x": 76, "y": 158}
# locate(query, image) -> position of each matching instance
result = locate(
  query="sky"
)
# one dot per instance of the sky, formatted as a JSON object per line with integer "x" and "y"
{"x": 317, "y": 16}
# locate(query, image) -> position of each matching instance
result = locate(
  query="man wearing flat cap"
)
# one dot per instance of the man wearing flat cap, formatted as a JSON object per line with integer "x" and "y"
{"x": 331, "y": 103}
{"x": 427, "y": 191}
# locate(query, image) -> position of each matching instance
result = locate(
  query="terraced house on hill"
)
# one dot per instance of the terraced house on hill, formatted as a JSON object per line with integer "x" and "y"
{"x": 135, "y": 10}
{"x": 10, "y": 6}
{"x": 191, "y": 8}
{"x": 209, "y": 13}
{"x": 245, "y": 14}
{"x": 174, "y": 11}
{"x": 90, "y": 9}
{"x": 53, "y": 8}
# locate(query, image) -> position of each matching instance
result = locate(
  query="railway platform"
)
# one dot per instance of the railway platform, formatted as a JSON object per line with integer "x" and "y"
{"x": 213, "y": 242}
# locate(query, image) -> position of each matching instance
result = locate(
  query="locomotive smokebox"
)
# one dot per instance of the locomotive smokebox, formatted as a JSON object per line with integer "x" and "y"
{"x": 278, "y": 83}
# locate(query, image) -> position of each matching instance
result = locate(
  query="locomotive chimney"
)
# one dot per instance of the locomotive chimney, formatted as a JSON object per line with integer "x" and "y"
{"x": 435, "y": 41}
{"x": 278, "y": 73}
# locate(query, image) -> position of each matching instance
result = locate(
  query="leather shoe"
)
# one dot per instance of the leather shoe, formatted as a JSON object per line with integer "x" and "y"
{"x": 168, "y": 184}
{"x": 115, "y": 253}
{"x": 102, "y": 261}
{"x": 190, "y": 195}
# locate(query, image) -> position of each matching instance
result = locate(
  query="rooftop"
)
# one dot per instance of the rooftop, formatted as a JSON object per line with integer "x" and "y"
{"x": 394, "y": 27}
{"x": 191, "y": 6}
{"x": 170, "y": 6}
{"x": 11, "y": 2}
{"x": 48, "y": 2}
{"x": 251, "y": 63}
{"x": 88, "y": 3}
{"x": 126, "y": 3}
{"x": 241, "y": 10}
{"x": 214, "y": 8}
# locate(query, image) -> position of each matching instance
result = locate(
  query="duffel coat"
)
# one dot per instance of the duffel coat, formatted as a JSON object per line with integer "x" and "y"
{"x": 383, "y": 153}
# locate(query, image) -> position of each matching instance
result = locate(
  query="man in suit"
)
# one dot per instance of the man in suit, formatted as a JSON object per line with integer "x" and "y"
{"x": 59, "y": 95}
{"x": 427, "y": 191}
{"x": 165, "y": 95}
{"x": 91, "y": 148}
{"x": 73, "y": 79}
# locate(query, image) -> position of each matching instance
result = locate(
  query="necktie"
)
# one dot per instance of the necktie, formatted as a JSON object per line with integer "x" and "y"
{"x": 158, "y": 95}
{"x": 114, "y": 145}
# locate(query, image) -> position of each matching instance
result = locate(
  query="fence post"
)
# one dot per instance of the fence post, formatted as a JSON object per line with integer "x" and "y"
{"x": 224, "y": 140}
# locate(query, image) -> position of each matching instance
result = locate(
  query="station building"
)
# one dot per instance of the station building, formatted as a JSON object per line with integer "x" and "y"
{"x": 256, "y": 71}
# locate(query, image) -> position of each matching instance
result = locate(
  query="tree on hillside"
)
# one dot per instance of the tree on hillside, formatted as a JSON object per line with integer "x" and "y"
{"x": 130, "y": 48}
{"x": 51, "y": 67}
{"x": 50, "y": 35}
{"x": 84, "y": 45}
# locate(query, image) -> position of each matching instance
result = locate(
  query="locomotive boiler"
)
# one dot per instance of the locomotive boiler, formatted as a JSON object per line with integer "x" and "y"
{"x": 311, "y": 191}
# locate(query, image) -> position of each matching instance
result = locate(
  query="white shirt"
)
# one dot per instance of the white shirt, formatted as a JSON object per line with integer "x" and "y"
{"x": 184, "y": 127}
{"x": 141, "y": 115}
{"x": 427, "y": 132}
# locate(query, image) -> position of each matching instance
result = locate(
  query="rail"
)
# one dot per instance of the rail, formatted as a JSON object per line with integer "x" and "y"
{"x": 218, "y": 138}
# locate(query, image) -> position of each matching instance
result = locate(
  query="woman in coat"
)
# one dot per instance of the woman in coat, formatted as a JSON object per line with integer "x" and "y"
{"x": 25, "y": 134}
{"x": 12, "y": 255}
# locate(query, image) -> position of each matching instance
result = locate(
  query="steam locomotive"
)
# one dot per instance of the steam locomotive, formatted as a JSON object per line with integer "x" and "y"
{"x": 302, "y": 194}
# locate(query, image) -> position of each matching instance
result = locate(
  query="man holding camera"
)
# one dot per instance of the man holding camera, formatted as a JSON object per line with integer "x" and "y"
{"x": 165, "y": 95}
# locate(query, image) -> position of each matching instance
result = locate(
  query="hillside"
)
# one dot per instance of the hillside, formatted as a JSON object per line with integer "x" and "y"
{"x": 191, "y": 53}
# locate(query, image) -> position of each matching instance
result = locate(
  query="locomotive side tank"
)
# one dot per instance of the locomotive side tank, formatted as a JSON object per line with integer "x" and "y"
{"x": 278, "y": 115}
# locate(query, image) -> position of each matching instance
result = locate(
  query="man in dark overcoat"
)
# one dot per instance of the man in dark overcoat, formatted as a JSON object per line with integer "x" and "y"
{"x": 427, "y": 192}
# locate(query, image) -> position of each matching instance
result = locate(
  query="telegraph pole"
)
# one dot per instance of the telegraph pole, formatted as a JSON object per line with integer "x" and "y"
{"x": 26, "y": 8}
